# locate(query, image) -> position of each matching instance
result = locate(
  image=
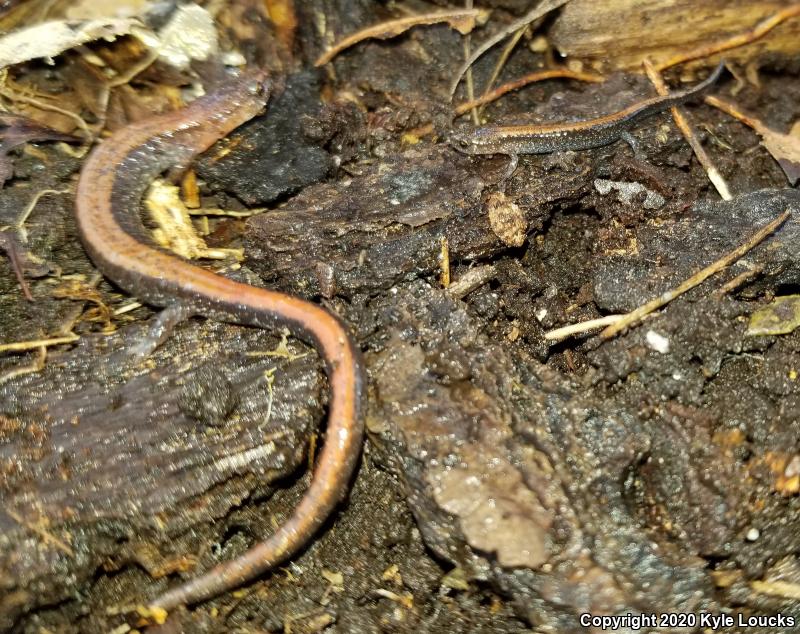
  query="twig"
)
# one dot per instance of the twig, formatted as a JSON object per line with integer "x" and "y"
{"x": 42, "y": 105}
{"x": 8, "y": 245}
{"x": 120, "y": 80}
{"x": 501, "y": 62}
{"x": 536, "y": 76}
{"x": 19, "y": 225}
{"x": 463, "y": 20}
{"x": 636, "y": 315}
{"x": 738, "y": 281}
{"x": 539, "y": 75}
{"x": 468, "y": 78}
{"x": 127, "y": 308}
{"x": 746, "y": 37}
{"x": 543, "y": 8}
{"x": 558, "y": 334}
{"x": 75, "y": 314}
{"x": 22, "y": 346}
{"x": 731, "y": 109}
{"x": 36, "y": 366}
{"x": 471, "y": 280}
{"x": 42, "y": 532}
{"x": 444, "y": 261}
{"x": 683, "y": 125}
{"x": 232, "y": 213}
{"x": 269, "y": 377}
{"x": 784, "y": 148}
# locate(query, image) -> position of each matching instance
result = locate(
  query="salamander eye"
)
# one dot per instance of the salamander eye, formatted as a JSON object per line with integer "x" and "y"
{"x": 460, "y": 141}
{"x": 258, "y": 88}
{"x": 257, "y": 83}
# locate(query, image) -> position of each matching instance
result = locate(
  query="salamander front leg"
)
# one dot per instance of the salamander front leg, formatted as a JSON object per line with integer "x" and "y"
{"x": 160, "y": 329}
{"x": 513, "y": 162}
{"x": 633, "y": 142}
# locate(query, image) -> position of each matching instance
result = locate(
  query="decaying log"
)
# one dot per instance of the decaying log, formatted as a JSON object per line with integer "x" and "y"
{"x": 619, "y": 34}
{"x": 107, "y": 461}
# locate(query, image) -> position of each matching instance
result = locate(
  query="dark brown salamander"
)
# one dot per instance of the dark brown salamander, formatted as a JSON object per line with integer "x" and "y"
{"x": 112, "y": 183}
{"x": 582, "y": 135}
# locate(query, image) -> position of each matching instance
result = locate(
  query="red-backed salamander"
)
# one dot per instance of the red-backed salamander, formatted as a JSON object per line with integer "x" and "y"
{"x": 112, "y": 183}
{"x": 582, "y": 135}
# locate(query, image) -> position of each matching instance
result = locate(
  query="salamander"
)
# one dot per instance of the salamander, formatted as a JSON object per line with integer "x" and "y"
{"x": 112, "y": 183}
{"x": 582, "y": 135}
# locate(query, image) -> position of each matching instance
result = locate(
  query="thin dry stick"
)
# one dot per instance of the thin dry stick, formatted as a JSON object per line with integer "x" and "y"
{"x": 22, "y": 346}
{"x": 36, "y": 366}
{"x": 683, "y": 125}
{"x": 470, "y": 84}
{"x": 42, "y": 532}
{"x": 557, "y": 334}
{"x": 501, "y": 62}
{"x": 471, "y": 280}
{"x": 133, "y": 71}
{"x": 444, "y": 260}
{"x": 543, "y": 8}
{"x": 43, "y": 105}
{"x": 636, "y": 315}
{"x": 19, "y": 225}
{"x": 462, "y": 20}
{"x": 728, "y": 108}
{"x": 738, "y": 281}
{"x": 127, "y": 308}
{"x": 468, "y": 78}
{"x": 539, "y": 75}
{"x": 746, "y": 37}
{"x": 784, "y": 148}
{"x": 8, "y": 245}
{"x": 120, "y": 80}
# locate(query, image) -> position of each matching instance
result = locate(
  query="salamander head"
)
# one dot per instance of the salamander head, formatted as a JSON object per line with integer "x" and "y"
{"x": 238, "y": 99}
{"x": 475, "y": 141}
{"x": 257, "y": 82}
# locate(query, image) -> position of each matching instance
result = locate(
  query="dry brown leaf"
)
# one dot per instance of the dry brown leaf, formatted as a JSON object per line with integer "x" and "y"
{"x": 784, "y": 148}
{"x": 16, "y": 130}
{"x": 49, "y": 39}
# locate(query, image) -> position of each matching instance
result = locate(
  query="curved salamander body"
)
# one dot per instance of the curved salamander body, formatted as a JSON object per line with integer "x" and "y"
{"x": 112, "y": 183}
